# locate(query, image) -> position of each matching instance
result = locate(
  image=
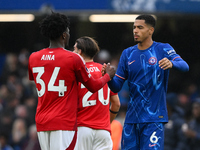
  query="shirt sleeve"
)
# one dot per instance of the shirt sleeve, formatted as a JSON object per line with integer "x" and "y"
{"x": 121, "y": 75}
{"x": 112, "y": 93}
{"x": 177, "y": 61}
{"x": 122, "y": 66}
{"x": 116, "y": 84}
{"x": 93, "y": 85}
{"x": 81, "y": 71}
{"x": 85, "y": 77}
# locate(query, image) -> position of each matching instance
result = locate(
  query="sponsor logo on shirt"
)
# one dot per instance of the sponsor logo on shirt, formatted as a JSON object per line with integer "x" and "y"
{"x": 152, "y": 60}
{"x": 171, "y": 52}
{"x": 152, "y": 145}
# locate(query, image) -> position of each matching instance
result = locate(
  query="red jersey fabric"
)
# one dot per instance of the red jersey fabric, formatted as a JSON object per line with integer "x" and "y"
{"x": 93, "y": 110}
{"x": 56, "y": 73}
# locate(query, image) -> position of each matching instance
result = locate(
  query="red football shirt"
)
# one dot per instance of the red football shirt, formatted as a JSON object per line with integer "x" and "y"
{"x": 93, "y": 110}
{"x": 56, "y": 73}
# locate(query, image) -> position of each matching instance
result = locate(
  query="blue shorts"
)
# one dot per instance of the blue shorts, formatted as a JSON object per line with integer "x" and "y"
{"x": 143, "y": 136}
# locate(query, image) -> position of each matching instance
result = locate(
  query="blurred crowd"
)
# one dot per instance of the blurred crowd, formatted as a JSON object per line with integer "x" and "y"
{"x": 18, "y": 101}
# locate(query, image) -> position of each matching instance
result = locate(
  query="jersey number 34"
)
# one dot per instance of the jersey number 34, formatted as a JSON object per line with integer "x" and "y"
{"x": 61, "y": 88}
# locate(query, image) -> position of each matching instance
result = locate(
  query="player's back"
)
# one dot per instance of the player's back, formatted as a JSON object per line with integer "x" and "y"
{"x": 93, "y": 108}
{"x": 54, "y": 72}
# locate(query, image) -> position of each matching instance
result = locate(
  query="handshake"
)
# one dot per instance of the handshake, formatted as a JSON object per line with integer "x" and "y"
{"x": 107, "y": 68}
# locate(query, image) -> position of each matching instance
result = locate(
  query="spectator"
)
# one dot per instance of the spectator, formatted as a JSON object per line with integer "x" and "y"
{"x": 3, "y": 142}
{"x": 21, "y": 111}
{"x": 192, "y": 132}
{"x": 4, "y": 94}
{"x": 6, "y": 118}
{"x": 23, "y": 62}
{"x": 32, "y": 142}
{"x": 11, "y": 67}
{"x": 31, "y": 104}
{"x": 185, "y": 103}
{"x": 103, "y": 56}
{"x": 19, "y": 133}
{"x": 174, "y": 137}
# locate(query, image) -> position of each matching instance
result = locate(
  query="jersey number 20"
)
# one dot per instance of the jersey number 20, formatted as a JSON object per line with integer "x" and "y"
{"x": 86, "y": 103}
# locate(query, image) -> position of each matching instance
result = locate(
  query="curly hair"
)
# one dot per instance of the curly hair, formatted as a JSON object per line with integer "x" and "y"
{"x": 53, "y": 26}
{"x": 88, "y": 46}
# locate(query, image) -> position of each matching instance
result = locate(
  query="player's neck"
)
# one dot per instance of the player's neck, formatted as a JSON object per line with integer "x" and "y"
{"x": 88, "y": 60}
{"x": 56, "y": 44}
{"x": 145, "y": 44}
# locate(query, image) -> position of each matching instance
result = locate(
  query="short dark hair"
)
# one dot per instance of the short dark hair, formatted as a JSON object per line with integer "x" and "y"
{"x": 149, "y": 19}
{"x": 88, "y": 46}
{"x": 53, "y": 26}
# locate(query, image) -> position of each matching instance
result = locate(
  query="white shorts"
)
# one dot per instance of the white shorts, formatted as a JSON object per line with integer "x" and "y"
{"x": 57, "y": 140}
{"x": 91, "y": 139}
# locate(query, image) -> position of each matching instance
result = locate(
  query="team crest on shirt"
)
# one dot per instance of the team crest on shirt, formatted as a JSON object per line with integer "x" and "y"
{"x": 152, "y": 60}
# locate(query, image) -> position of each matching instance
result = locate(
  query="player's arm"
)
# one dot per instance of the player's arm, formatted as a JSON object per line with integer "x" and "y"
{"x": 121, "y": 75}
{"x": 180, "y": 64}
{"x": 172, "y": 59}
{"x": 89, "y": 82}
{"x": 116, "y": 84}
{"x": 177, "y": 63}
{"x": 94, "y": 85}
{"x": 114, "y": 107}
{"x": 83, "y": 75}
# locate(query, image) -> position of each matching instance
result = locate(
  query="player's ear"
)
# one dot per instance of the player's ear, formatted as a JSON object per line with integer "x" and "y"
{"x": 64, "y": 35}
{"x": 151, "y": 30}
{"x": 79, "y": 51}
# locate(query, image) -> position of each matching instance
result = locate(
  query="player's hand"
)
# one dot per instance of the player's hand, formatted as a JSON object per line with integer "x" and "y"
{"x": 110, "y": 70}
{"x": 165, "y": 64}
{"x": 103, "y": 70}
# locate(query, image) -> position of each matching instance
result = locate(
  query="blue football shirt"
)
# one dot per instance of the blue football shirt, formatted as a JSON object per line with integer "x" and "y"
{"x": 147, "y": 81}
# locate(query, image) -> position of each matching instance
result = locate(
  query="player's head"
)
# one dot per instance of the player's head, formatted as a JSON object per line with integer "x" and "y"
{"x": 86, "y": 46}
{"x": 55, "y": 26}
{"x": 143, "y": 27}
